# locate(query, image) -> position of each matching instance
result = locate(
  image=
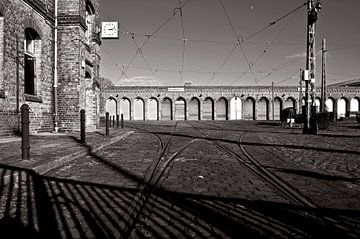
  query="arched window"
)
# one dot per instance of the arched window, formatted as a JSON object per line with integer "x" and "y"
{"x": 90, "y": 21}
{"x": 32, "y": 60}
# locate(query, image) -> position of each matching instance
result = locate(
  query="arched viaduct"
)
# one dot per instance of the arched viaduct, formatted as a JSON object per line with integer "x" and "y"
{"x": 218, "y": 102}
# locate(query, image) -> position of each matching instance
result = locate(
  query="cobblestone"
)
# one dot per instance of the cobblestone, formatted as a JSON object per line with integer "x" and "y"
{"x": 204, "y": 192}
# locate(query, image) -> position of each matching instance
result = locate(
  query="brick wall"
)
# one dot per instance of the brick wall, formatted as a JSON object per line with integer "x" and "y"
{"x": 17, "y": 17}
{"x": 76, "y": 57}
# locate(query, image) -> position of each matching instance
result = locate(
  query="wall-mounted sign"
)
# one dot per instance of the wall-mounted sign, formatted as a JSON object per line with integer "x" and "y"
{"x": 110, "y": 30}
{"x": 180, "y": 89}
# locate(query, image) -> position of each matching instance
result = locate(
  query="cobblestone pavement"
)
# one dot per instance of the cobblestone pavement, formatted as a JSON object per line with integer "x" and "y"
{"x": 193, "y": 180}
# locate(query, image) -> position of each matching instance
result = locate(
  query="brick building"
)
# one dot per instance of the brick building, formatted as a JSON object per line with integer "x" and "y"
{"x": 49, "y": 59}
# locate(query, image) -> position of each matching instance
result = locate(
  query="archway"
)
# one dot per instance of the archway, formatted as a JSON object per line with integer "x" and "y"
{"x": 152, "y": 109}
{"x": 139, "y": 107}
{"x": 110, "y": 106}
{"x": 317, "y": 104}
{"x": 354, "y": 106}
{"x": 341, "y": 108}
{"x": 290, "y": 102}
{"x": 208, "y": 109}
{"x": 125, "y": 107}
{"x": 166, "y": 109}
{"x": 329, "y": 105}
{"x": 222, "y": 109}
{"x": 180, "y": 109}
{"x": 263, "y": 109}
{"x": 235, "y": 108}
{"x": 249, "y": 109}
{"x": 277, "y": 108}
{"x": 194, "y": 109}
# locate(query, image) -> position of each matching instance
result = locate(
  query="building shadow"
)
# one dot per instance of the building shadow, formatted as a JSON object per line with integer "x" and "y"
{"x": 37, "y": 206}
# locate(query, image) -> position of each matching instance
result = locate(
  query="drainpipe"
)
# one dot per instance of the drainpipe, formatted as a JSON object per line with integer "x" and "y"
{"x": 56, "y": 121}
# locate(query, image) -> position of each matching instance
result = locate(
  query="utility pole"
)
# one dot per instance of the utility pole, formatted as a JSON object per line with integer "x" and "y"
{"x": 323, "y": 75}
{"x": 310, "y": 108}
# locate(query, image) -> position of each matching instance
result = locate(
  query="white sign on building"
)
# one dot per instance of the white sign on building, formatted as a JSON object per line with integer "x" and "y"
{"x": 179, "y": 89}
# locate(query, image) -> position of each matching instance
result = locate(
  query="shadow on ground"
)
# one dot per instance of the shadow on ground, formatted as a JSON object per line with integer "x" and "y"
{"x": 35, "y": 206}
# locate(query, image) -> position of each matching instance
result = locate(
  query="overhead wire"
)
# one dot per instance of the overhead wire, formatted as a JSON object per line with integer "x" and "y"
{"x": 275, "y": 38}
{"x": 238, "y": 43}
{"x": 151, "y": 35}
{"x": 269, "y": 45}
{"x": 183, "y": 42}
{"x": 140, "y": 50}
{"x": 274, "y": 22}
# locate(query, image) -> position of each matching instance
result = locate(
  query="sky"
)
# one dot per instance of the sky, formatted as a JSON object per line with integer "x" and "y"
{"x": 226, "y": 42}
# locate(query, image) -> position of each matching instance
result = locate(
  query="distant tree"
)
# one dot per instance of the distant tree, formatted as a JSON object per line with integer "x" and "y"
{"x": 103, "y": 82}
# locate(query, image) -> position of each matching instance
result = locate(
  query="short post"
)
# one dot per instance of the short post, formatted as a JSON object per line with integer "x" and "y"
{"x": 117, "y": 121}
{"x": 82, "y": 126}
{"x": 113, "y": 120}
{"x": 122, "y": 121}
{"x": 25, "y": 136}
{"x": 107, "y": 124}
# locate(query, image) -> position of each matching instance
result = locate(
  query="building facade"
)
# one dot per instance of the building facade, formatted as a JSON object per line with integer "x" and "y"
{"x": 221, "y": 102}
{"x": 49, "y": 60}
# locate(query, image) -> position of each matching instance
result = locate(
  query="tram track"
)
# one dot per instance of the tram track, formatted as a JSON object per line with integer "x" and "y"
{"x": 276, "y": 182}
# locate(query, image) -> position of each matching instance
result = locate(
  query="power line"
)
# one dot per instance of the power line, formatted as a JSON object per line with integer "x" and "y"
{"x": 274, "y": 22}
{"x": 270, "y": 43}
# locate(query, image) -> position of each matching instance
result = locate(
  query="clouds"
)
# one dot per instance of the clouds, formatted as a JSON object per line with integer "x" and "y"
{"x": 297, "y": 55}
{"x": 138, "y": 81}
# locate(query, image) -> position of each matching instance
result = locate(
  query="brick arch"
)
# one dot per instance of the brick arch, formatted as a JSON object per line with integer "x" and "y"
{"x": 167, "y": 109}
{"x": 263, "y": 105}
{"x": 31, "y": 23}
{"x": 125, "y": 107}
{"x": 112, "y": 109}
{"x": 208, "y": 108}
{"x": 343, "y": 110}
{"x": 194, "y": 108}
{"x": 139, "y": 108}
{"x": 330, "y": 107}
{"x": 249, "y": 108}
{"x": 180, "y": 108}
{"x": 353, "y": 108}
{"x": 152, "y": 111}
{"x": 290, "y": 102}
{"x": 222, "y": 109}
{"x": 278, "y": 106}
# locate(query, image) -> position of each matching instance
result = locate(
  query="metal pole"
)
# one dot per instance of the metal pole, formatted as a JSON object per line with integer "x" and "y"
{"x": 17, "y": 84}
{"x": 323, "y": 76}
{"x": 310, "y": 124}
{"x": 25, "y": 136}
{"x": 122, "y": 121}
{"x": 56, "y": 114}
{"x": 272, "y": 101}
{"x": 107, "y": 124}
{"x": 117, "y": 121}
{"x": 82, "y": 126}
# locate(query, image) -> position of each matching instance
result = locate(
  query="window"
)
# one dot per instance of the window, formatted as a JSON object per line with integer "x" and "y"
{"x": 32, "y": 52}
{"x": 90, "y": 16}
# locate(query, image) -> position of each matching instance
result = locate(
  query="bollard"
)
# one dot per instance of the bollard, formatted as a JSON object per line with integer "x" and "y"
{"x": 113, "y": 120}
{"x": 107, "y": 124}
{"x": 82, "y": 126}
{"x": 117, "y": 121}
{"x": 122, "y": 121}
{"x": 25, "y": 136}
